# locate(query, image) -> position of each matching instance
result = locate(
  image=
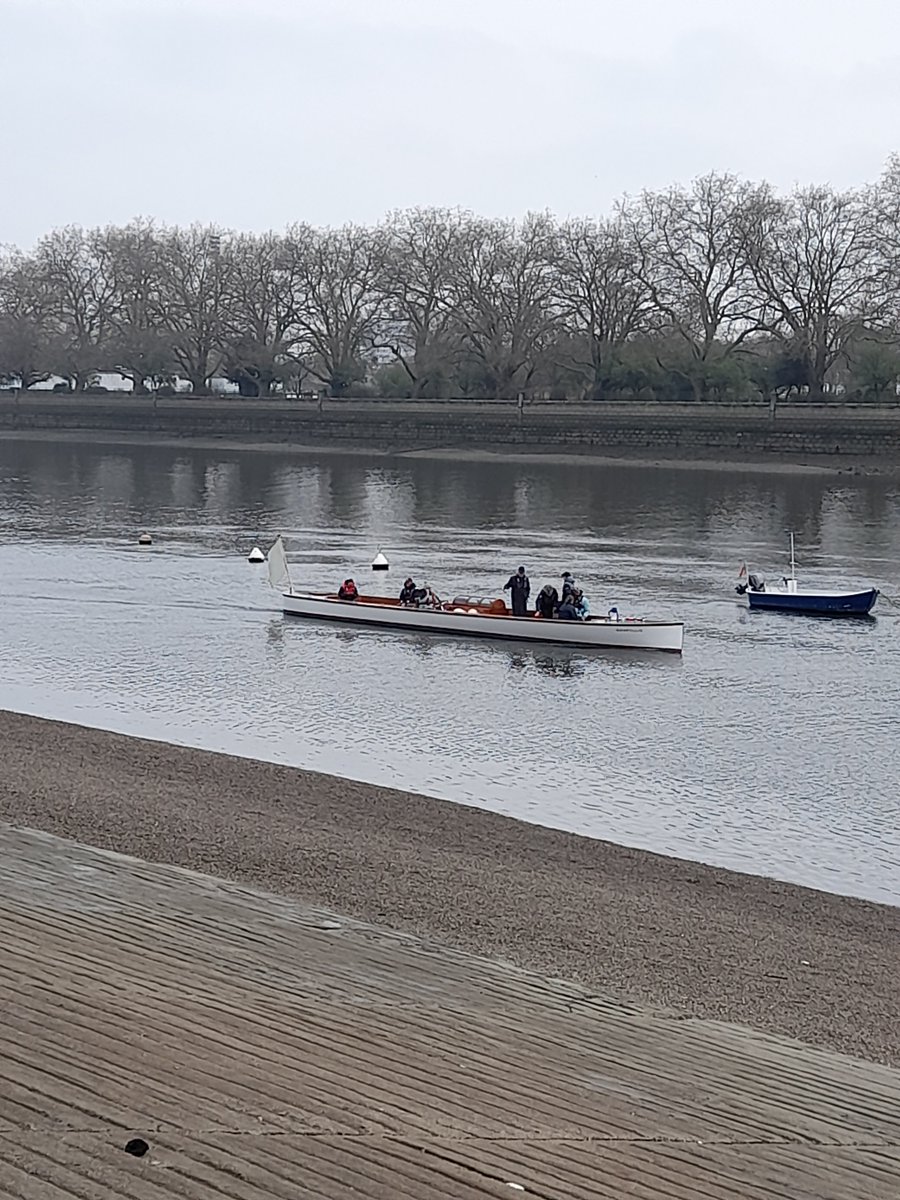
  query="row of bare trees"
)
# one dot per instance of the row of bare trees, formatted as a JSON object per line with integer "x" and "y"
{"x": 714, "y": 290}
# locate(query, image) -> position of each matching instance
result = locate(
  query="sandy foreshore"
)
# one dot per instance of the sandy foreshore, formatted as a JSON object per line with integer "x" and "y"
{"x": 782, "y": 464}
{"x": 634, "y": 926}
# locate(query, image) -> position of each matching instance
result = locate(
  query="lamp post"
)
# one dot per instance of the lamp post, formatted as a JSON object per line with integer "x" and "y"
{"x": 213, "y": 250}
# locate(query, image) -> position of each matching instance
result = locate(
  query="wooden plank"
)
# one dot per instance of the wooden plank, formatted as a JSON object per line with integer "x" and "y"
{"x": 269, "y": 1049}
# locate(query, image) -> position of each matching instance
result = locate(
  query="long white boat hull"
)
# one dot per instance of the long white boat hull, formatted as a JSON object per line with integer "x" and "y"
{"x": 594, "y": 632}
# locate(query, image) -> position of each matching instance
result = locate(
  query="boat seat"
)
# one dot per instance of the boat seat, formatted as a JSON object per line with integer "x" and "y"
{"x": 484, "y": 604}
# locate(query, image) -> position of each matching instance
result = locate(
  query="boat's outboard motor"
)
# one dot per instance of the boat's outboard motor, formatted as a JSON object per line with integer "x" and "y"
{"x": 753, "y": 584}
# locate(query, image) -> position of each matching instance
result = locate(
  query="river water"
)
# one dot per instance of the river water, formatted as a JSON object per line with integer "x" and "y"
{"x": 771, "y": 746}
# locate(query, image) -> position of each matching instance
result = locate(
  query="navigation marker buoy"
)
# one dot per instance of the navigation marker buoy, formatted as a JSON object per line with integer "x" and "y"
{"x": 380, "y": 563}
{"x": 256, "y": 555}
{"x": 145, "y": 540}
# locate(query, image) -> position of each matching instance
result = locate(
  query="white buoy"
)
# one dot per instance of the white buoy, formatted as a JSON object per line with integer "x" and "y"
{"x": 145, "y": 540}
{"x": 256, "y": 555}
{"x": 380, "y": 563}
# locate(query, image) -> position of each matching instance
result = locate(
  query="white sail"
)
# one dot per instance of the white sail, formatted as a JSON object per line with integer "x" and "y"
{"x": 279, "y": 575}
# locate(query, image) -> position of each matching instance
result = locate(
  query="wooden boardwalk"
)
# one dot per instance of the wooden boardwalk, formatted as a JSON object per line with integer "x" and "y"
{"x": 270, "y": 1051}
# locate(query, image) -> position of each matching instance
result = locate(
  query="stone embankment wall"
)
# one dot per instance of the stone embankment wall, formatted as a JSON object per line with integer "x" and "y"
{"x": 684, "y": 430}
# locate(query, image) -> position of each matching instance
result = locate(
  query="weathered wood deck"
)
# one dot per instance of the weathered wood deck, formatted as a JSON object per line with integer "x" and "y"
{"x": 265, "y": 1049}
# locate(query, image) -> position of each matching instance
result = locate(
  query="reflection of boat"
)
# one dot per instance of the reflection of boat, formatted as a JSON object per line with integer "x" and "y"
{"x": 791, "y": 598}
{"x": 554, "y": 660}
{"x": 463, "y": 617}
{"x": 561, "y": 664}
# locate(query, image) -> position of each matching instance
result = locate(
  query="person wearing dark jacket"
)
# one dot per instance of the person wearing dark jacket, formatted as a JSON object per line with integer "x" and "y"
{"x": 408, "y": 592}
{"x": 568, "y": 586}
{"x": 519, "y": 588}
{"x": 547, "y": 601}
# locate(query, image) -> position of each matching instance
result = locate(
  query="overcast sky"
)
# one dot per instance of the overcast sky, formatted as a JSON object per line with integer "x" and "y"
{"x": 255, "y": 113}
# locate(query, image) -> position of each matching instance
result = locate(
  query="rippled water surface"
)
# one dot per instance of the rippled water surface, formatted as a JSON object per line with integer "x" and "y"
{"x": 770, "y": 747}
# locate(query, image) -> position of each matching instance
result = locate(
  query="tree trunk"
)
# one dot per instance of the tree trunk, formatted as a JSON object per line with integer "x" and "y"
{"x": 597, "y": 364}
{"x": 817, "y": 371}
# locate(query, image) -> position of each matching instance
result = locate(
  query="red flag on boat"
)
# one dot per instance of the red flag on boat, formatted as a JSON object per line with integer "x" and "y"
{"x": 743, "y": 571}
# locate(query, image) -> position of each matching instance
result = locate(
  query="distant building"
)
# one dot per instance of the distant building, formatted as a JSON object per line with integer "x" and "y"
{"x": 112, "y": 381}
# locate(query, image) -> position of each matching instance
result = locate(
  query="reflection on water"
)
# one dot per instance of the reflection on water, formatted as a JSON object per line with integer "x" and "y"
{"x": 559, "y": 663}
{"x": 768, "y": 747}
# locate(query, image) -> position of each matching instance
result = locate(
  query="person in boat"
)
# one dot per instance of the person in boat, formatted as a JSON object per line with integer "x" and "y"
{"x": 408, "y": 592}
{"x": 567, "y": 609}
{"x": 568, "y": 586}
{"x": 582, "y": 608}
{"x": 519, "y": 588}
{"x": 348, "y": 590}
{"x": 547, "y": 602}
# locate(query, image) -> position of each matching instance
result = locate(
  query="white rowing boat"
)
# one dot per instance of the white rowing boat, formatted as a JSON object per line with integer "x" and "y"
{"x": 471, "y": 618}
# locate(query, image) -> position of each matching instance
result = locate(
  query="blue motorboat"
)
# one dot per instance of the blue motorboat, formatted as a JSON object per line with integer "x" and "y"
{"x": 791, "y": 598}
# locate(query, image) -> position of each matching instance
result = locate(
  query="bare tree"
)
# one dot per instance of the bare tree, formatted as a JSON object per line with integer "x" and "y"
{"x": 261, "y": 313}
{"x": 815, "y": 258}
{"x": 336, "y": 274}
{"x": 72, "y": 267}
{"x": 692, "y": 258}
{"x": 883, "y": 203}
{"x": 604, "y": 300}
{"x": 883, "y": 199}
{"x": 140, "y": 345}
{"x": 26, "y": 350}
{"x": 419, "y": 319}
{"x": 506, "y": 302}
{"x": 196, "y": 271}
{"x": 704, "y": 290}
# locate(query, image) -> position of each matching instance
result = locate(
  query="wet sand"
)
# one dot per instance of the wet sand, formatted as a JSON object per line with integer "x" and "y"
{"x": 775, "y": 464}
{"x": 635, "y": 927}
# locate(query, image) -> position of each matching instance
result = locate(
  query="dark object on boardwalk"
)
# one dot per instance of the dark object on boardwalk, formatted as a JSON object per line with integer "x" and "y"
{"x": 137, "y": 1147}
{"x": 519, "y": 587}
